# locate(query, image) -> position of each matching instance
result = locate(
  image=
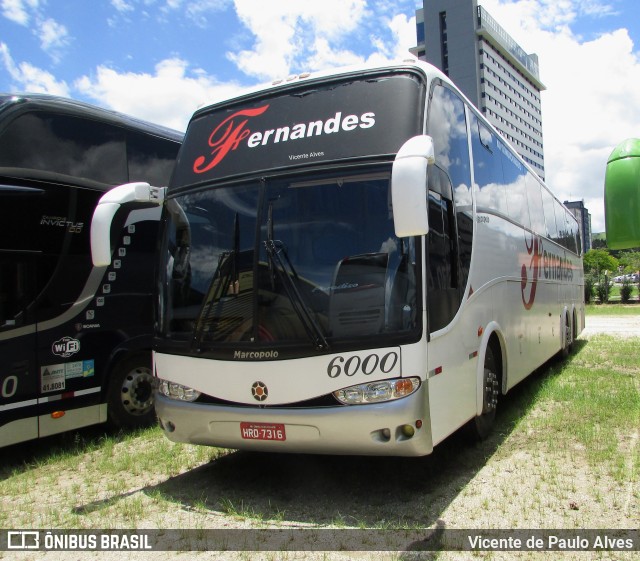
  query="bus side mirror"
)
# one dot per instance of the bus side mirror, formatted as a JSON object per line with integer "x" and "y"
{"x": 137, "y": 195}
{"x": 409, "y": 186}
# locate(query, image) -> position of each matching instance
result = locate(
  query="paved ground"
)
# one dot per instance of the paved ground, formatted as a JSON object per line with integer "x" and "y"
{"x": 620, "y": 326}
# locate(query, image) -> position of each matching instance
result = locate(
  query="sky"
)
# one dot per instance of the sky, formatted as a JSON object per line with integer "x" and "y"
{"x": 160, "y": 60}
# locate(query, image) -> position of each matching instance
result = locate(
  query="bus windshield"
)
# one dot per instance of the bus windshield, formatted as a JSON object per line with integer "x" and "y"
{"x": 302, "y": 263}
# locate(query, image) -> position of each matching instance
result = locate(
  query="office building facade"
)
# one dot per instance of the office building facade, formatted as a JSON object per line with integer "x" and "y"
{"x": 492, "y": 70}
{"x": 583, "y": 217}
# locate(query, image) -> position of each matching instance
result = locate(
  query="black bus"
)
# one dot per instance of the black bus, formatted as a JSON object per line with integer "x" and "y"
{"x": 75, "y": 340}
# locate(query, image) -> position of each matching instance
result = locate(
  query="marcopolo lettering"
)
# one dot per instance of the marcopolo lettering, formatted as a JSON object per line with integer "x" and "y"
{"x": 254, "y": 355}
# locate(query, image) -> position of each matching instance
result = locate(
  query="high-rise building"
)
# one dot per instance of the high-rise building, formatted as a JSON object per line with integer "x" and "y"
{"x": 583, "y": 217}
{"x": 492, "y": 70}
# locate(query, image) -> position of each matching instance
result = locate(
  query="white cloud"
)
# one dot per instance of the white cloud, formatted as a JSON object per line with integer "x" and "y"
{"x": 196, "y": 10}
{"x": 592, "y": 101}
{"x": 401, "y": 39}
{"x": 29, "y": 78}
{"x": 294, "y": 35}
{"x": 53, "y": 36}
{"x": 18, "y": 10}
{"x": 169, "y": 96}
{"x": 122, "y": 6}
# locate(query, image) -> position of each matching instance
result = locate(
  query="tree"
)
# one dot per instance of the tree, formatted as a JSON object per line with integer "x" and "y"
{"x": 597, "y": 261}
{"x": 630, "y": 260}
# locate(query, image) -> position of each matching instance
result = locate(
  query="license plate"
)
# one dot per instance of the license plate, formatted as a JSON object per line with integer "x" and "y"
{"x": 262, "y": 431}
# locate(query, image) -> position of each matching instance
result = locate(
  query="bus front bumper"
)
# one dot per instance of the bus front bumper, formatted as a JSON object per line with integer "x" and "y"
{"x": 393, "y": 428}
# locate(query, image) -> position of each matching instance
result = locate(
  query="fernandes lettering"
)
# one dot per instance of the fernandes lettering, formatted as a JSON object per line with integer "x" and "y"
{"x": 542, "y": 264}
{"x": 227, "y": 136}
{"x": 234, "y": 131}
{"x": 314, "y": 128}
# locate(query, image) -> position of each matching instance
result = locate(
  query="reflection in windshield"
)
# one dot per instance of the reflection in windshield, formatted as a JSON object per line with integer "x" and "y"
{"x": 287, "y": 261}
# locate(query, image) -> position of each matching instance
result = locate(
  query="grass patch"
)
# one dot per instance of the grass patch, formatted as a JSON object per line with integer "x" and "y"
{"x": 88, "y": 478}
{"x": 591, "y": 405}
{"x": 565, "y": 453}
{"x": 613, "y": 309}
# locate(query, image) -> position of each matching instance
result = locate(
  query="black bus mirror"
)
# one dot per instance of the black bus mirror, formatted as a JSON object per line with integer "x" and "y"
{"x": 409, "y": 186}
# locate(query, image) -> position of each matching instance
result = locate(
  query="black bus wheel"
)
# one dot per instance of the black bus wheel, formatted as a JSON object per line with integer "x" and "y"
{"x": 482, "y": 425}
{"x": 568, "y": 338}
{"x": 130, "y": 397}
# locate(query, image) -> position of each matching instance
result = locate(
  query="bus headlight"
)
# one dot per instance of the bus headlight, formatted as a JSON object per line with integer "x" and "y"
{"x": 177, "y": 391}
{"x": 376, "y": 392}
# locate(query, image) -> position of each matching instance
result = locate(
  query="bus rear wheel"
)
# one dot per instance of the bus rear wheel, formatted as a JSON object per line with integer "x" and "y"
{"x": 568, "y": 337}
{"x": 130, "y": 397}
{"x": 482, "y": 425}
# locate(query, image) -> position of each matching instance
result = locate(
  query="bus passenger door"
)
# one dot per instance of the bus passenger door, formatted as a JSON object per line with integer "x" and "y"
{"x": 19, "y": 378}
{"x": 31, "y": 240}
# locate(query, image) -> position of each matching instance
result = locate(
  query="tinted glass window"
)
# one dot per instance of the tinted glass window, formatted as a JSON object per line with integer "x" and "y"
{"x": 66, "y": 145}
{"x": 567, "y": 236}
{"x": 561, "y": 222}
{"x": 448, "y": 127}
{"x": 534, "y": 197}
{"x": 578, "y": 236}
{"x": 287, "y": 261}
{"x": 17, "y": 290}
{"x": 151, "y": 159}
{"x": 443, "y": 290}
{"x": 572, "y": 232}
{"x": 515, "y": 184}
{"x": 548, "y": 205}
{"x": 306, "y": 126}
{"x": 487, "y": 169}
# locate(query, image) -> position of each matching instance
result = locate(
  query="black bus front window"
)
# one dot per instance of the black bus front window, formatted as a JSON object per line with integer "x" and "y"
{"x": 289, "y": 261}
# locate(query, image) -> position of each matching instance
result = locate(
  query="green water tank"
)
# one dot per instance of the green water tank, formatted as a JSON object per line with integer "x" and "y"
{"x": 622, "y": 196}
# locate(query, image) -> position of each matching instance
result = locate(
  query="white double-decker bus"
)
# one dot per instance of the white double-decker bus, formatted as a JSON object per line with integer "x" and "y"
{"x": 351, "y": 263}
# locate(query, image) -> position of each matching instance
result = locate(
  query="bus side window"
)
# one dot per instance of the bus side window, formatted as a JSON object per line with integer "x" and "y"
{"x": 443, "y": 290}
{"x": 17, "y": 291}
{"x": 534, "y": 197}
{"x": 548, "y": 205}
{"x": 447, "y": 125}
{"x": 68, "y": 145}
{"x": 487, "y": 170}
{"x": 150, "y": 159}
{"x": 515, "y": 184}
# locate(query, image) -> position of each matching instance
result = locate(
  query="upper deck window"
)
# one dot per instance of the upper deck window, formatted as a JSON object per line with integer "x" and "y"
{"x": 66, "y": 145}
{"x": 321, "y": 122}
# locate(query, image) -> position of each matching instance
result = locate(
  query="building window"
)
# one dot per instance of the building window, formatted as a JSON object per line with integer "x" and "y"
{"x": 443, "y": 43}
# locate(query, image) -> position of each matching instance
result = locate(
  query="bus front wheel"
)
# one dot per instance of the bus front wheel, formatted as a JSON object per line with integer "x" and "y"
{"x": 482, "y": 425}
{"x": 130, "y": 396}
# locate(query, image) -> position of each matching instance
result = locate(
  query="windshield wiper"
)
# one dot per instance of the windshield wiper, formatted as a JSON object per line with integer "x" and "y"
{"x": 286, "y": 274}
{"x": 225, "y": 283}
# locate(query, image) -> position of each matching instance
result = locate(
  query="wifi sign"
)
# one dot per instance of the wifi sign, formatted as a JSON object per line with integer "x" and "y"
{"x": 65, "y": 347}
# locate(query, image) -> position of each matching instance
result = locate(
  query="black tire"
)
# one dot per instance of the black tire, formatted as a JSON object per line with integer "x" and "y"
{"x": 130, "y": 396}
{"x": 482, "y": 425}
{"x": 568, "y": 337}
